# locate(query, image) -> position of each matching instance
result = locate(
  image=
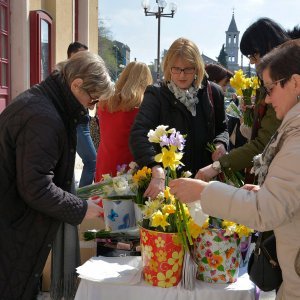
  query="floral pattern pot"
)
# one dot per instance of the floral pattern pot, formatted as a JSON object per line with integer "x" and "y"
{"x": 217, "y": 256}
{"x": 162, "y": 255}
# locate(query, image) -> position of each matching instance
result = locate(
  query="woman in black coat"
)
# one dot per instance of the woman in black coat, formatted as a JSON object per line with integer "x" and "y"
{"x": 186, "y": 101}
{"x": 37, "y": 150}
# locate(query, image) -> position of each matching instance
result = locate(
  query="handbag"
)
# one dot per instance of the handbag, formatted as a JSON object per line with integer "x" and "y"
{"x": 263, "y": 267}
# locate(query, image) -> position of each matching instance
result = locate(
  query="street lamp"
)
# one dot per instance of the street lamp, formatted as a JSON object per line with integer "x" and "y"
{"x": 161, "y": 4}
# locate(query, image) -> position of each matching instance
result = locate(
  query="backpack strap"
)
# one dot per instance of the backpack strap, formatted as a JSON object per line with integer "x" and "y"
{"x": 210, "y": 95}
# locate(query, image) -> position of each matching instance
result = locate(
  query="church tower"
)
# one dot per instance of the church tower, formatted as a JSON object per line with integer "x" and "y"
{"x": 232, "y": 45}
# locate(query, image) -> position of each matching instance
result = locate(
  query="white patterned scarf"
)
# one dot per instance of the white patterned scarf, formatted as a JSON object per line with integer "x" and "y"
{"x": 186, "y": 97}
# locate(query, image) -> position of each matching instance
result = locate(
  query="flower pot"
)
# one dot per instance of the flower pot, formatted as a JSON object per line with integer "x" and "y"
{"x": 162, "y": 255}
{"x": 118, "y": 214}
{"x": 217, "y": 256}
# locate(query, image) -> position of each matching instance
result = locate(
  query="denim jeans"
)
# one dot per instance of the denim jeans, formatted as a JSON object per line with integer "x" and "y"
{"x": 86, "y": 150}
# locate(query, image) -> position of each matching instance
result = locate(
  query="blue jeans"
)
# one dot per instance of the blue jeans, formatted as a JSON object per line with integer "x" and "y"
{"x": 86, "y": 150}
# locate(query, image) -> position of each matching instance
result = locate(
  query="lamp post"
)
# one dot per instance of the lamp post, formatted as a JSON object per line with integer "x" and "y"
{"x": 161, "y": 5}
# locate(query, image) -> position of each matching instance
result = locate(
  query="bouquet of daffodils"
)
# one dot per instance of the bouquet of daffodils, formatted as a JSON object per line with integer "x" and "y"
{"x": 165, "y": 213}
{"x": 247, "y": 88}
{"x": 141, "y": 179}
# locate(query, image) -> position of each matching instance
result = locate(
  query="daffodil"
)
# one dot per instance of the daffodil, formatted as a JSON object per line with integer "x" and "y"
{"x": 159, "y": 219}
{"x": 169, "y": 158}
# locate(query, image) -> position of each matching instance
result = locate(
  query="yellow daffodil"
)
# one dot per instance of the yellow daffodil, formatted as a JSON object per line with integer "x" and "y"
{"x": 169, "y": 158}
{"x": 159, "y": 219}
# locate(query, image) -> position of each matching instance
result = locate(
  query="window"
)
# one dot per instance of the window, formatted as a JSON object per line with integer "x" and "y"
{"x": 41, "y": 37}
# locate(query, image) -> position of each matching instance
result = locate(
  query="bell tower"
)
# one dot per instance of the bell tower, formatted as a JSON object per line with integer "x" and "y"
{"x": 232, "y": 45}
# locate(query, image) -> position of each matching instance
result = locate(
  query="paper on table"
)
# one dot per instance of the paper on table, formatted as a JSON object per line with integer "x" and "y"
{"x": 113, "y": 270}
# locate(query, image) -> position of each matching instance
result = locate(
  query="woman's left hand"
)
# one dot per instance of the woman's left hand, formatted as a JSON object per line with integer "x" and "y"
{"x": 187, "y": 189}
{"x": 219, "y": 152}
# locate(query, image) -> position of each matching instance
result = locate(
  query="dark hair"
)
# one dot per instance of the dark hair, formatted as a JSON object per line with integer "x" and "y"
{"x": 282, "y": 62}
{"x": 294, "y": 33}
{"x": 75, "y": 47}
{"x": 217, "y": 72}
{"x": 262, "y": 36}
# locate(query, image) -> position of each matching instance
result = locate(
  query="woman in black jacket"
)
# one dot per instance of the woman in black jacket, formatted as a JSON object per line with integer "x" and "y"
{"x": 186, "y": 101}
{"x": 37, "y": 150}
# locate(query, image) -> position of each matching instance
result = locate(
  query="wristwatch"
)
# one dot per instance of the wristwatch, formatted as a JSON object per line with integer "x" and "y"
{"x": 216, "y": 165}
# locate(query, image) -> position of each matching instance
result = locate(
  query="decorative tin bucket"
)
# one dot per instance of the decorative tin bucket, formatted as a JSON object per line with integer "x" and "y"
{"x": 217, "y": 256}
{"x": 162, "y": 255}
{"x": 118, "y": 214}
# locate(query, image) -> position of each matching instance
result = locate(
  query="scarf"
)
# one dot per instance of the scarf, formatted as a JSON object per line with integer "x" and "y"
{"x": 187, "y": 97}
{"x": 261, "y": 162}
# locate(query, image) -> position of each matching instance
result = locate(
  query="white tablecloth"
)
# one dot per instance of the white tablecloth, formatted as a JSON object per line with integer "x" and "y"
{"x": 242, "y": 289}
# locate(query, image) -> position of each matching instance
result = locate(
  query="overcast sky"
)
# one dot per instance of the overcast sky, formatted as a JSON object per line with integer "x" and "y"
{"x": 203, "y": 21}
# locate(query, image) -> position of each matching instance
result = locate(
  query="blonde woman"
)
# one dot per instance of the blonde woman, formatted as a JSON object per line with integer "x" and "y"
{"x": 187, "y": 102}
{"x": 116, "y": 116}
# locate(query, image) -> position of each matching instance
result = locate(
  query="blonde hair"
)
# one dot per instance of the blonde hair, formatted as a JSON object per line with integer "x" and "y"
{"x": 188, "y": 51}
{"x": 91, "y": 69}
{"x": 129, "y": 88}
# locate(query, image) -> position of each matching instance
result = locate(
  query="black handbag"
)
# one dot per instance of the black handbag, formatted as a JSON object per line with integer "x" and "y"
{"x": 263, "y": 267}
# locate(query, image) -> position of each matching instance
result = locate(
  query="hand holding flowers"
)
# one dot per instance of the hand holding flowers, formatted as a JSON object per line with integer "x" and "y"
{"x": 245, "y": 87}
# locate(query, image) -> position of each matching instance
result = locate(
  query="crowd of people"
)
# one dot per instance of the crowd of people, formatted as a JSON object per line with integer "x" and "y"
{"x": 41, "y": 130}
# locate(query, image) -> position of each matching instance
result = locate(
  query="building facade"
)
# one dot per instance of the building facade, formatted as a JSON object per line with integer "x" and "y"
{"x": 35, "y": 35}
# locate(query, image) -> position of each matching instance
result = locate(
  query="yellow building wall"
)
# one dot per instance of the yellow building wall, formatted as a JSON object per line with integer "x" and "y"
{"x": 63, "y": 15}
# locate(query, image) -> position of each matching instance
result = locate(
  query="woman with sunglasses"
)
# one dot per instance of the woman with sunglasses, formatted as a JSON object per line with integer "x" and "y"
{"x": 259, "y": 38}
{"x": 275, "y": 203}
{"x": 186, "y": 101}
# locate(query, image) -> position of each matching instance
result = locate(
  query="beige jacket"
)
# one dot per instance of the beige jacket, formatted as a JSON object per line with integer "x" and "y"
{"x": 275, "y": 206}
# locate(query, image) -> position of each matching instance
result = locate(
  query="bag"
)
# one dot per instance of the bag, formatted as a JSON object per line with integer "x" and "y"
{"x": 94, "y": 131}
{"x": 263, "y": 267}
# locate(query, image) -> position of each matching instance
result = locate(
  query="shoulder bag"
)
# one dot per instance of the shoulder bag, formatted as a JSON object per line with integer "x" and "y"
{"x": 263, "y": 266}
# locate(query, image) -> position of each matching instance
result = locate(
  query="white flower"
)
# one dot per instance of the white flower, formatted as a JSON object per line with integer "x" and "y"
{"x": 186, "y": 174}
{"x": 155, "y": 135}
{"x": 121, "y": 185}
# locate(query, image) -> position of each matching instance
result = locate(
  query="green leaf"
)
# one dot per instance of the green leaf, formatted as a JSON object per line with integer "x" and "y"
{"x": 204, "y": 260}
{"x": 221, "y": 268}
{"x": 217, "y": 239}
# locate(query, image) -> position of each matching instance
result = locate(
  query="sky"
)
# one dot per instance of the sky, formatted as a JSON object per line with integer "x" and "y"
{"x": 202, "y": 21}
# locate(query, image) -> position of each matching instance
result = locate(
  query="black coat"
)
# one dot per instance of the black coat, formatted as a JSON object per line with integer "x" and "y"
{"x": 37, "y": 150}
{"x": 160, "y": 107}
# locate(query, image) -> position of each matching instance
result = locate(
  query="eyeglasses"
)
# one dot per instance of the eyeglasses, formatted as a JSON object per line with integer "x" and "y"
{"x": 177, "y": 70}
{"x": 92, "y": 99}
{"x": 268, "y": 89}
{"x": 252, "y": 57}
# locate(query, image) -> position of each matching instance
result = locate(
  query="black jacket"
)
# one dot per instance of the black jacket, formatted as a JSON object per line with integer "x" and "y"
{"x": 37, "y": 150}
{"x": 160, "y": 107}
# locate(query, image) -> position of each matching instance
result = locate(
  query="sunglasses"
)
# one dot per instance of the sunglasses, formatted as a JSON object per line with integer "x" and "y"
{"x": 268, "y": 89}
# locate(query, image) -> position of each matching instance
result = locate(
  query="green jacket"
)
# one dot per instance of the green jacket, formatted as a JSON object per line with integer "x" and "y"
{"x": 240, "y": 158}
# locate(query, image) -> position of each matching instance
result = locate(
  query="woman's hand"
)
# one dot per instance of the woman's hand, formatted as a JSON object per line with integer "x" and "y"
{"x": 93, "y": 210}
{"x": 187, "y": 189}
{"x": 157, "y": 183}
{"x": 206, "y": 173}
{"x": 219, "y": 152}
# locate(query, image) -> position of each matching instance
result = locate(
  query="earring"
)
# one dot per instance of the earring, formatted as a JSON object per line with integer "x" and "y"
{"x": 195, "y": 77}
{"x": 298, "y": 98}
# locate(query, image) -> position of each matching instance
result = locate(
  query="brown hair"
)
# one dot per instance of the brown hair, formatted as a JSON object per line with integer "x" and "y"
{"x": 217, "y": 72}
{"x": 282, "y": 62}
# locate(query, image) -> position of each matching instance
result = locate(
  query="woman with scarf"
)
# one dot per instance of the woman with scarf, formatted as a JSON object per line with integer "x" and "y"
{"x": 275, "y": 203}
{"x": 186, "y": 101}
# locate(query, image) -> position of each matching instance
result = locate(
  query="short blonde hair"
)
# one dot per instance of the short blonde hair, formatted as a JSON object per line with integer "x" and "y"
{"x": 188, "y": 51}
{"x": 129, "y": 88}
{"x": 91, "y": 69}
